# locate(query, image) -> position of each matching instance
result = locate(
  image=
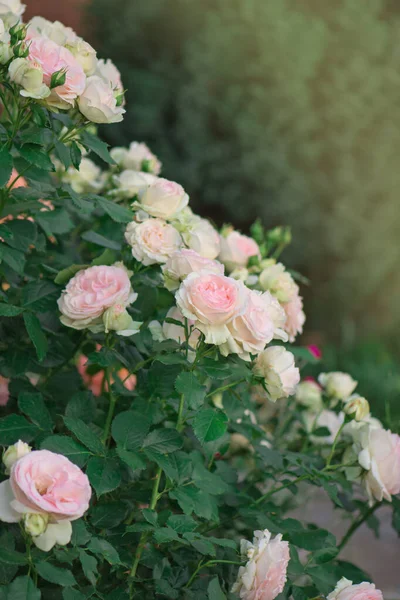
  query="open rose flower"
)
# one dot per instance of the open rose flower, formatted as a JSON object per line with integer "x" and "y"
{"x": 186, "y": 261}
{"x": 53, "y": 30}
{"x": 98, "y": 102}
{"x": 48, "y": 484}
{"x": 295, "y": 317}
{"x": 236, "y": 249}
{"x": 345, "y": 590}
{"x": 276, "y": 365}
{"x": 138, "y": 157}
{"x": 256, "y": 327}
{"x": 152, "y": 241}
{"x": 212, "y": 301}
{"x": 309, "y": 394}
{"x": 264, "y": 575}
{"x": 338, "y": 385}
{"x": 11, "y": 11}
{"x": 87, "y": 179}
{"x": 51, "y": 58}
{"x": 129, "y": 184}
{"x": 91, "y": 292}
{"x": 109, "y": 73}
{"x": 198, "y": 234}
{"x": 162, "y": 198}
{"x": 278, "y": 281}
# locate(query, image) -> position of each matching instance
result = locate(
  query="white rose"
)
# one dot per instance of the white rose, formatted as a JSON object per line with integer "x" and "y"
{"x": 186, "y": 261}
{"x": 163, "y": 199}
{"x": 98, "y": 103}
{"x": 11, "y": 11}
{"x": 200, "y": 235}
{"x": 309, "y": 394}
{"x": 53, "y": 30}
{"x": 278, "y": 281}
{"x": 276, "y": 365}
{"x": 85, "y": 54}
{"x": 337, "y": 384}
{"x": 152, "y": 241}
{"x": 138, "y": 158}
{"x": 109, "y": 74}
{"x": 130, "y": 183}
{"x": 14, "y": 453}
{"x": 29, "y": 77}
{"x": 87, "y": 179}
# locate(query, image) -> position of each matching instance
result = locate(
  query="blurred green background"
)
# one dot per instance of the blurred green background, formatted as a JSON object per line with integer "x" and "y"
{"x": 288, "y": 110}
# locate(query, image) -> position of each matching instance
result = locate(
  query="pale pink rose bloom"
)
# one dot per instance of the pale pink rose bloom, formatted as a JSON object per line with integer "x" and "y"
{"x": 278, "y": 281}
{"x": 295, "y": 317}
{"x": 201, "y": 236}
{"x": 98, "y": 102}
{"x": 137, "y": 157}
{"x": 4, "y": 392}
{"x": 110, "y": 74}
{"x": 256, "y": 327}
{"x": 345, "y": 590}
{"x": 276, "y": 365}
{"x": 91, "y": 292}
{"x": 212, "y": 301}
{"x": 152, "y": 241}
{"x": 130, "y": 183}
{"x": 236, "y": 249}
{"x": 264, "y": 576}
{"x": 163, "y": 199}
{"x": 52, "y": 58}
{"x": 380, "y": 457}
{"x": 186, "y": 261}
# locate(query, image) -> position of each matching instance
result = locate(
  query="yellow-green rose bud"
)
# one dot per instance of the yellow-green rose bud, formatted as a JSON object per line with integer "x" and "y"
{"x": 14, "y": 453}
{"x": 35, "y": 523}
{"x": 357, "y": 407}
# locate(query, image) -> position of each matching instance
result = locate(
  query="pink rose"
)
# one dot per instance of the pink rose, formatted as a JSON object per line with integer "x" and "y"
{"x": 162, "y": 198}
{"x": 152, "y": 241}
{"x": 276, "y": 365}
{"x": 264, "y": 575}
{"x": 47, "y": 484}
{"x": 256, "y": 327}
{"x": 91, "y": 292}
{"x": 236, "y": 249}
{"x": 380, "y": 457}
{"x": 212, "y": 301}
{"x": 345, "y": 590}
{"x": 186, "y": 261}
{"x": 52, "y": 58}
{"x": 4, "y": 392}
{"x": 295, "y": 317}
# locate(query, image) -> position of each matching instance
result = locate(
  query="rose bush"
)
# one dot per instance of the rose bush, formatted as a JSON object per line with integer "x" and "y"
{"x": 153, "y": 418}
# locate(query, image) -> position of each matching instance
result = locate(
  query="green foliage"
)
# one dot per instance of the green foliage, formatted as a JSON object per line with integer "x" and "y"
{"x": 281, "y": 110}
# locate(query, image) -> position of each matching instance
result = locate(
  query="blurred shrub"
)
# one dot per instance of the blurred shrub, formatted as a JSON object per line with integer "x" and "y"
{"x": 288, "y": 109}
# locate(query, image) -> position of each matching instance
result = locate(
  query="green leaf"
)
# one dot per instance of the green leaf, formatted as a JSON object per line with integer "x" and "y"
{"x": 325, "y": 554}
{"x": 108, "y": 257}
{"x": 55, "y": 222}
{"x": 76, "y": 155}
{"x": 62, "y": 444}
{"x": 72, "y": 594}
{"x": 104, "y": 474}
{"x": 190, "y": 386}
{"x": 109, "y": 515}
{"x": 15, "y": 427}
{"x": 36, "y": 334}
{"x": 24, "y": 234}
{"x": 34, "y": 154}
{"x": 8, "y": 310}
{"x": 15, "y": 259}
{"x": 80, "y": 534}
{"x": 182, "y": 523}
{"x": 81, "y": 406}
{"x": 23, "y": 588}
{"x": 55, "y": 574}
{"x": 150, "y": 516}
{"x": 129, "y": 429}
{"x": 62, "y": 152}
{"x": 89, "y": 566}
{"x": 100, "y": 240}
{"x": 118, "y": 213}
{"x": 6, "y": 165}
{"x": 40, "y": 296}
{"x": 66, "y": 274}
{"x": 312, "y": 539}
{"x": 324, "y": 578}
{"x": 163, "y": 441}
{"x": 165, "y": 535}
{"x": 200, "y": 543}
{"x": 132, "y": 459}
{"x": 11, "y": 557}
{"x": 85, "y": 435}
{"x": 209, "y": 425}
{"x": 33, "y": 406}
{"x": 104, "y": 549}
{"x": 214, "y": 590}
{"x": 93, "y": 143}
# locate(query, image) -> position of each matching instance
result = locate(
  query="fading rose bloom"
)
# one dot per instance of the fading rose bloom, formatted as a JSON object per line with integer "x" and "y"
{"x": 98, "y": 102}
{"x": 85, "y": 180}
{"x": 129, "y": 184}
{"x": 264, "y": 575}
{"x": 338, "y": 385}
{"x": 212, "y": 301}
{"x": 109, "y": 73}
{"x": 4, "y": 392}
{"x": 256, "y": 327}
{"x": 162, "y": 198}
{"x": 276, "y": 365}
{"x": 309, "y": 394}
{"x": 379, "y": 454}
{"x": 43, "y": 482}
{"x": 295, "y": 317}
{"x": 96, "y": 383}
{"x": 186, "y": 261}
{"x": 152, "y": 241}
{"x": 236, "y": 249}
{"x": 91, "y": 292}
{"x": 345, "y": 590}
{"x": 138, "y": 157}
{"x": 52, "y": 58}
